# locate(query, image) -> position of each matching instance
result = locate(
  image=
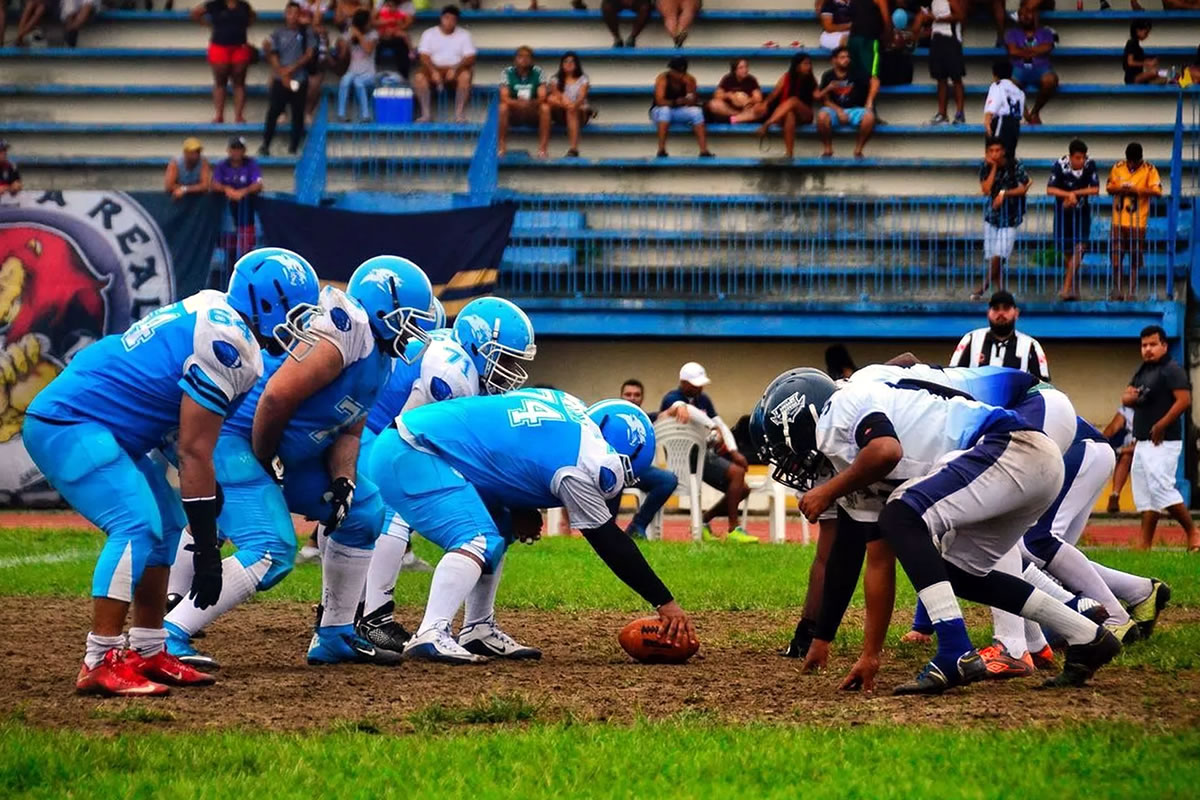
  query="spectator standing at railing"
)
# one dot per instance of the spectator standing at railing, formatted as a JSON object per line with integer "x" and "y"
{"x": 188, "y": 173}
{"x": 678, "y": 16}
{"x": 10, "y": 176}
{"x": 849, "y": 97}
{"x": 611, "y": 11}
{"x": 658, "y": 484}
{"x": 393, "y": 19}
{"x": 1133, "y": 184}
{"x": 676, "y": 102}
{"x": 288, "y": 50}
{"x": 834, "y": 18}
{"x": 1000, "y": 344}
{"x": 447, "y": 56}
{"x": 946, "y": 64}
{"x": 1004, "y": 182}
{"x": 791, "y": 102}
{"x": 360, "y": 42}
{"x": 1140, "y": 68}
{"x": 568, "y": 99}
{"x": 1029, "y": 46}
{"x": 229, "y": 53}
{"x": 523, "y": 100}
{"x": 738, "y": 97}
{"x": 1074, "y": 180}
{"x": 239, "y": 178}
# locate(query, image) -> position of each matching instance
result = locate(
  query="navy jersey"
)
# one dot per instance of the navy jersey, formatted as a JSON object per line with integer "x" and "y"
{"x": 442, "y": 371}
{"x": 133, "y": 383}
{"x": 338, "y": 406}
{"x": 532, "y": 448}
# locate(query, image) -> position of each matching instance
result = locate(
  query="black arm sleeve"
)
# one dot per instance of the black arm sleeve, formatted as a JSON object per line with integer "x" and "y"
{"x": 626, "y": 562}
{"x": 841, "y": 575}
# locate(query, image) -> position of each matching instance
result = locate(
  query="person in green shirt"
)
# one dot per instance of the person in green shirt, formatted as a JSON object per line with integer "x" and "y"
{"x": 523, "y": 100}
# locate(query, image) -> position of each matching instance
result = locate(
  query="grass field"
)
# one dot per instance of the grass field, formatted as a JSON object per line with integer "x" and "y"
{"x": 585, "y": 722}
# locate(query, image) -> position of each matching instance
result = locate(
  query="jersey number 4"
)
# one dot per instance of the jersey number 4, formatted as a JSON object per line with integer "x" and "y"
{"x": 533, "y": 413}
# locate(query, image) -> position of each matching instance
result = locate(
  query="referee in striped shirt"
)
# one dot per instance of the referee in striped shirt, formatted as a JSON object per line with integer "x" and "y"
{"x": 1000, "y": 344}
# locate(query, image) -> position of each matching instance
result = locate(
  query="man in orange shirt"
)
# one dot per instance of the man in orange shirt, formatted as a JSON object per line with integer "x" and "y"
{"x": 1132, "y": 183}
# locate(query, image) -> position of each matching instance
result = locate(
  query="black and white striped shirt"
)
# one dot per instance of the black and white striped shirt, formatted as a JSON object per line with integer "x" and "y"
{"x": 980, "y": 348}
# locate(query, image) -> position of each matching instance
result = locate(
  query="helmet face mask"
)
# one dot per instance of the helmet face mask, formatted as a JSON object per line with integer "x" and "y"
{"x": 294, "y": 331}
{"x": 405, "y": 323}
{"x": 502, "y": 372}
{"x": 784, "y": 426}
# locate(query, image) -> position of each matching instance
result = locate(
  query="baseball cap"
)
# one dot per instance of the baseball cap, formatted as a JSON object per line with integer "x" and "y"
{"x": 1002, "y": 298}
{"x": 191, "y": 144}
{"x": 237, "y": 141}
{"x": 693, "y": 373}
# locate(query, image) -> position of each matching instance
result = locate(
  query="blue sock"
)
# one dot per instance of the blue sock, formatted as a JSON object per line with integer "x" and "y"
{"x": 952, "y": 642}
{"x": 921, "y": 622}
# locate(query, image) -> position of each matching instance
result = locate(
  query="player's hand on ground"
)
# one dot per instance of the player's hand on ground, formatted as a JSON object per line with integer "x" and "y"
{"x": 676, "y": 624}
{"x": 340, "y": 495}
{"x": 862, "y": 674}
{"x": 814, "y": 502}
{"x": 206, "y": 582}
{"x": 527, "y": 524}
{"x": 817, "y": 658}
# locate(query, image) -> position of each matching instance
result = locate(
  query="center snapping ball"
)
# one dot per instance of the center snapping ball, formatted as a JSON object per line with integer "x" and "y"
{"x": 640, "y": 639}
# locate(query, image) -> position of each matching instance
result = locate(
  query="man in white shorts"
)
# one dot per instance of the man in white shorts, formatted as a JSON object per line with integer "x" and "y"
{"x": 1002, "y": 179}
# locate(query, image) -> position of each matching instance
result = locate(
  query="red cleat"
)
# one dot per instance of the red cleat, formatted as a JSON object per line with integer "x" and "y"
{"x": 1000, "y": 665}
{"x": 115, "y": 677}
{"x": 166, "y": 668}
{"x": 1044, "y": 659}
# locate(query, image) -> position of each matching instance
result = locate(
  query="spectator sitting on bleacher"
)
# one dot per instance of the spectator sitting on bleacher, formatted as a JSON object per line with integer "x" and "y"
{"x": 360, "y": 42}
{"x": 849, "y": 98}
{"x": 523, "y": 100}
{"x": 1029, "y": 46}
{"x": 1133, "y": 185}
{"x": 1004, "y": 182}
{"x": 31, "y": 14}
{"x": 393, "y": 19}
{"x": 724, "y": 466}
{"x": 1177, "y": 5}
{"x": 675, "y": 101}
{"x": 447, "y": 58}
{"x": 835, "y": 17}
{"x": 678, "y": 16}
{"x": 1004, "y": 108}
{"x": 288, "y": 50}
{"x": 791, "y": 102}
{"x": 568, "y": 99}
{"x": 324, "y": 60}
{"x": 1074, "y": 180}
{"x": 10, "y": 176}
{"x": 611, "y": 10}
{"x": 738, "y": 97}
{"x": 188, "y": 173}
{"x": 239, "y": 178}
{"x": 1140, "y": 68}
{"x": 228, "y": 51}
{"x": 658, "y": 484}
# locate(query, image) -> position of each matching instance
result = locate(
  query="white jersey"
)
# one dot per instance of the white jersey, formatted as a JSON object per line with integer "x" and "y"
{"x": 344, "y": 323}
{"x": 1005, "y": 99}
{"x": 446, "y": 372}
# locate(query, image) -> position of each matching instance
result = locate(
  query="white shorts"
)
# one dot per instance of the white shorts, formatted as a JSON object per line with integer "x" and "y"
{"x": 67, "y": 8}
{"x": 1153, "y": 475}
{"x": 998, "y": 242}
{"x": 831, "y": 40}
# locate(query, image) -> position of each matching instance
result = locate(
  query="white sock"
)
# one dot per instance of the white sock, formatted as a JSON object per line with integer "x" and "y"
{"x": 940, "y": 602}
{"x": 1133, "y": 589}
{"x": 238, "y": 584}
{"x": 1045, "y": 610}
{"x": 1035, "y": 640}
{"x": 386, "y": 564}
{"x": 1075, "y": 571}
{"x": 343, "y": 573}
{"x": 148, "y": 642}
{"x": 1047, "y": 584}
{"x": 1007, "y": 628}
{"x": 180, "y": 581}
{"x": 481, "y": 602}
{"x": 453, "y": 579}
{"x": 97, "y": 646}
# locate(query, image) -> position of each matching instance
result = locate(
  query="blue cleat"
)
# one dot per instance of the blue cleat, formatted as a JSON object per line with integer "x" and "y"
{"x": 180, "y": 646}
{"x": 339, "y": 644}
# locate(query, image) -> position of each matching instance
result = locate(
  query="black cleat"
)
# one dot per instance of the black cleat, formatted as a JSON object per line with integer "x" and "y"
{"x": 801, "y": 640}
{"x": 381, "y": 629}
{"x": 1089, "y": 608}
{"x": 932, "y": 680}
{"x": 1083, "y": 660}
{"x": 1145, "y": 613}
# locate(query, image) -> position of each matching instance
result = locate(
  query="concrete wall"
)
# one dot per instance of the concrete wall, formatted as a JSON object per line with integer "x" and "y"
{"x": 1092, "y": 374}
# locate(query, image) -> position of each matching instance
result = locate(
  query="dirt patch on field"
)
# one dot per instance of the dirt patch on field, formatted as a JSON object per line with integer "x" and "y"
{"x": 584, "y": 675}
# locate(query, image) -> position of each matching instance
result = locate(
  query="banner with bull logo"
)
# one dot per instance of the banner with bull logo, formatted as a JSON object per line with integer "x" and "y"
{"x": 76, "y": 266}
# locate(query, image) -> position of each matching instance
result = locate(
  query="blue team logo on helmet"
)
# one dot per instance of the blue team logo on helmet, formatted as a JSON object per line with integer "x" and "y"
{"x": 398, "y": 299}
{"x": 277, "y": 291}
{"x": 628, "y": 431}
{"x": 496, "y": 335}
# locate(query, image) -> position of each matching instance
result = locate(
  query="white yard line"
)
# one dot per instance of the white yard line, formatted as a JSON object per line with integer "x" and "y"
{"x": 46, "y": 558}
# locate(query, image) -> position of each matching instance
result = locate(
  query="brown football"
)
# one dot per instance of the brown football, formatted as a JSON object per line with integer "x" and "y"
{"x": 640, "y": 639}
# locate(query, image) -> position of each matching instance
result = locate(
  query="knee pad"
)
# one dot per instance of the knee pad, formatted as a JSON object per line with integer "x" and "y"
{"x": 279, "y": 561}
{"x": 488, "y": 547}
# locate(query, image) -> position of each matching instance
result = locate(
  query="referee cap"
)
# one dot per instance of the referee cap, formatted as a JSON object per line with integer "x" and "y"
{"x": 1002, "y": 298}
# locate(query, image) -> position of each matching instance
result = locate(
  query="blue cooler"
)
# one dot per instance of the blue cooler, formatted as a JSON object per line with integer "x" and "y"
{"x": 393, "y": 105}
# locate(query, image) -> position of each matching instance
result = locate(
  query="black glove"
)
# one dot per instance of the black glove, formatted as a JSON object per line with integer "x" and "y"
{"x": 340, "y": 495}
{"x": 206, "y": 550}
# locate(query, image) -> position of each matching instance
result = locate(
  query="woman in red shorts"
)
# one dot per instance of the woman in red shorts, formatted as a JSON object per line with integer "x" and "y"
{"x": 228, "y": 52}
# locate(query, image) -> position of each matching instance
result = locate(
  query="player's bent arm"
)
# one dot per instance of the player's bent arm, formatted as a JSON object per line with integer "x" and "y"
{"x": 874, "y": 462}
{"x": 199, "y": 428}
{"x": 342, "y": 458}
{"x": 292, "y": 384}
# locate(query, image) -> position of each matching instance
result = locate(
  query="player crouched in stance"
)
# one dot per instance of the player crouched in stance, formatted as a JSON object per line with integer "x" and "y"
{"x": 480, "y": 355}
{"x": 182, "y": 368}
{"x": 469, "y": 474}
{"x": 966, "y": 481}
{"x": 308, "y": 411}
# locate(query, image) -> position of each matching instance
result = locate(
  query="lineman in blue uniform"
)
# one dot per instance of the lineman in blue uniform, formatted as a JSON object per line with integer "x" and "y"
{"x": 309, "y": 413}
{"x": 176, "y": 373}
{"x": 470, "y": 474}
{"x": 480, "y": 355}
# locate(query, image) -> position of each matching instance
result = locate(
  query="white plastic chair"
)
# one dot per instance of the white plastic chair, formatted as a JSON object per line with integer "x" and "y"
{"x": 776, "y": 504}
{"x": 684, "y": 447}
{"x": 554, "y": 521}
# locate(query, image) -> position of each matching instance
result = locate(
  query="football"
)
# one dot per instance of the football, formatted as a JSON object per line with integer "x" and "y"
{"x": 640, "y": 639}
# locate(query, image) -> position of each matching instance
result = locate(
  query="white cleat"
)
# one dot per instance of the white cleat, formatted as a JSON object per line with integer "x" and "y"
{"x": 486, "y": 639}
{"x": 413, "y": 563}
{"x": 308, "y": 555}
{"x": 436, "y": 644}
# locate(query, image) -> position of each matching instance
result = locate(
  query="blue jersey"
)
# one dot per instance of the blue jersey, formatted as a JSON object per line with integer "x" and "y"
{"x": 441, "y": 371}
{"x": 532, "y": 448}
{"x": 344, "y": 401}
{"x": 994, "y": 386}
{"x": 133, "y": 383}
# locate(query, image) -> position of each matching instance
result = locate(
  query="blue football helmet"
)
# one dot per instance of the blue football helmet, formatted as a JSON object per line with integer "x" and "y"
{"x": 496, "y": 334}
{"x": 277, "y": 291}
{"x": 627, "y": 430}
{"x": 439, "y": 317}
{"x": 398, "y": 298}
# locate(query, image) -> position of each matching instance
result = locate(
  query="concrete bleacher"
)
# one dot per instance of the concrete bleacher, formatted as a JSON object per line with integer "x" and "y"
{"x": 120, "y": 105}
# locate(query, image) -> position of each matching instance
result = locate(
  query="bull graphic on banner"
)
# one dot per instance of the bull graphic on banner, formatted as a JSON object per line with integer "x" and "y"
{"x": 74, "y": 267}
